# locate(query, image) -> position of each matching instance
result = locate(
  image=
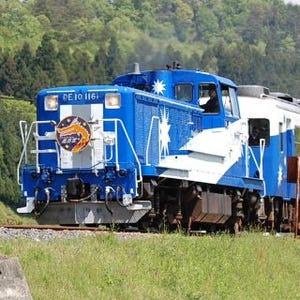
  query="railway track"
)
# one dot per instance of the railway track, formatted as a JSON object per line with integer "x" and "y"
{"x": 55, "y": 227}
{"x": 45, "y": 232}
{"x": 50, "y": 232}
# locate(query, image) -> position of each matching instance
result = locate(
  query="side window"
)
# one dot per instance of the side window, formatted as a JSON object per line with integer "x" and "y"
{"x": 142, "y": 87}
{"x": 280, "y": 136}
{"x": 184, "y": 91}
{"x": 259, "y": 129}
{"x": 230, "y": 101}
{"x": 208, "y": 98}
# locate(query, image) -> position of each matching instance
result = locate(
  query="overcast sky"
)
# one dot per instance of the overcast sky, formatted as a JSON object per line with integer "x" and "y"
{"x": 292, "y": 1}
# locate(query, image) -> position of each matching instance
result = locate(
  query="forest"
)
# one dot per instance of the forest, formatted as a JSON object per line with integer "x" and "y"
{"x": 47, "y": 43}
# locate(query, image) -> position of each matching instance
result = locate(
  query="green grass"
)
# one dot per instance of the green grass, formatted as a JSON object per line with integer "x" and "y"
{"x": 173, "y": 266}
{"x": 8, "y": 215}
{"x": 250, "y": 266}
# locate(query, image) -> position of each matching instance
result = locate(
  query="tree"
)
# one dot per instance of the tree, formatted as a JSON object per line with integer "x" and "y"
{"x": 8, "y": 76}
{"x": 143, "y": 53}
{"x": 172, "y": 55}
{"x": 66, "y": 60}
{"x": 205, "y": 22}
{"x": 40, "y": 80}
{"x": 24, "y": 56}
{"x": 46, "y": 55}
{"x": 24, "y": 65}
{"x": 183, "y": 20}
{"x": 114, "y": 63}
{"x": 81, "y": 70}
{"x": 59, "y": 76}
{"x": 194, "y": 62}
{"x": 23, "y": 86}
{"x": 10, "y": 145}
{"x": 192, "y": 26}
{"x": 209, "y": 60}
{"x": 99, "y": 67}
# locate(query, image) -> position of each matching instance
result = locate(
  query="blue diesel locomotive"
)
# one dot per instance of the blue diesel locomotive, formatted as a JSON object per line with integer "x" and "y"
{"x": 162, "y": 147}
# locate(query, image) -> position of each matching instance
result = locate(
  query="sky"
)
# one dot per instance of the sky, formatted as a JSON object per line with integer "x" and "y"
{"x": 296, "y": 2}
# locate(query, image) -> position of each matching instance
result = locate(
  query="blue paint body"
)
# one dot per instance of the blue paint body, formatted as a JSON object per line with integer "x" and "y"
{"x": 153, "y": 135}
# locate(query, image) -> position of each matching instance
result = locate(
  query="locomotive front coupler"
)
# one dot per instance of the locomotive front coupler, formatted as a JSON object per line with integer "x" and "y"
{"x": 76, "y": 190}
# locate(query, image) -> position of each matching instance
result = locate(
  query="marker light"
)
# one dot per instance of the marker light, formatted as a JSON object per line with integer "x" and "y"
{"x": 51, "y": 102}
{"x": 109, "y": 138}
{"x": 112, "y": 101}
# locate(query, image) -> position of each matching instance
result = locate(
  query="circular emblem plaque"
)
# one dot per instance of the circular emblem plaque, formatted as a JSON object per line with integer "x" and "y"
{"x": 73, "y": 133}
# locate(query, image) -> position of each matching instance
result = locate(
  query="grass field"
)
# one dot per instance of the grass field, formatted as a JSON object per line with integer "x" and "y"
{"x": 8, "y": 215}
{"x": 167, "y": 266}
{"x": 174, "y": 266}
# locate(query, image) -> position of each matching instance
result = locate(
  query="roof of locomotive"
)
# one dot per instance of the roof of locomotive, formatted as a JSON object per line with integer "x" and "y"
{"x": 262, "y": 92}
{"x": 172, "y": 76}
{"x": 75, "y": 88}
{"x": 160, "y": 81}
{"x": 252, "y": 95}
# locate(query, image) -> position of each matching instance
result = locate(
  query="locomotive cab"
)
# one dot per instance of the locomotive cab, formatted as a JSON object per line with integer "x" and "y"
{"x": 193, "y": 88}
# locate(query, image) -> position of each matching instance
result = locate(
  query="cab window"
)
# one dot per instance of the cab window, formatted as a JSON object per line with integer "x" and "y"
{"x": 230, "y": 101}
{"x": 208, "y": 98}
{"x": 184, "y": 91}
{"x": 142, "y": 87}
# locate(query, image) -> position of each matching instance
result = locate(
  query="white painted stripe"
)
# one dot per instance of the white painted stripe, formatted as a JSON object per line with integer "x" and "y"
{"x": 92, "y": 155}
{"x": 66, "y": 157}
{"x": 214, "y": 152}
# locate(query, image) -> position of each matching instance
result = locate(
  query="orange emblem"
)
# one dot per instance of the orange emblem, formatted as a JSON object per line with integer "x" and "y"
{"x": 73, "y": 133}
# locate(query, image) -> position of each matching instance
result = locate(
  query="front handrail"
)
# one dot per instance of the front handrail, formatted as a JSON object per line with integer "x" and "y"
{"x": 26, "y": 135}
{"x": 259, "y": 166}
{"x": 23, "y": 129}
{"x": 25, "y": 139}
{"x": 130, "y": 144}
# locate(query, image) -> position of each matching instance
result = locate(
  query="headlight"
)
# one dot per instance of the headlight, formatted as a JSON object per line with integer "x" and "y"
{"x": 112, "y": 101}
{"x": 51, "y": 102}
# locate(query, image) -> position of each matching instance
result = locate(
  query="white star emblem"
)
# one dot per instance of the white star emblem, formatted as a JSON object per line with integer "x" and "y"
{"x": 158, "y": 87}
{"x": 279, "y": 175}
{"x": 164, "y": 137}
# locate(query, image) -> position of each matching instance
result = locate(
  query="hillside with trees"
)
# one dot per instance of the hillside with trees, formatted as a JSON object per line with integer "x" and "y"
{"x": 11, "y": 112}
{"x": 46, "y": 43}
{"x": 65, "y": 42}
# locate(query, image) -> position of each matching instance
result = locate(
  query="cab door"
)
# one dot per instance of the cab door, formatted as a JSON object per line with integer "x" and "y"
{"x": 230, "y": 104}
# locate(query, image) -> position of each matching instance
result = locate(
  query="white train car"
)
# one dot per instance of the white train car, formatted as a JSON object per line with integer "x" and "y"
{"x": 274, "y": 136}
